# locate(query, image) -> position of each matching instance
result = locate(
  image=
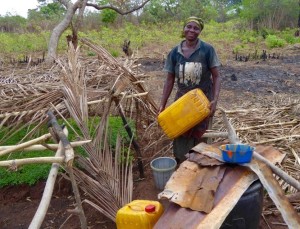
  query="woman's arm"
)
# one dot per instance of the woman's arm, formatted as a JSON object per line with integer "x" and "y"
{"x": 168, "y": 86}
{"x": 216, "y": 89}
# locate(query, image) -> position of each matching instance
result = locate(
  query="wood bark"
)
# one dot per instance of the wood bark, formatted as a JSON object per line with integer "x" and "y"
{"x": 71, "y": 9}
{"x": 61, "y": 27}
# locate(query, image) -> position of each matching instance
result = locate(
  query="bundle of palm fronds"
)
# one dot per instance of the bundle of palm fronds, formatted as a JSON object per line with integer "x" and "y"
{"x": 103, "y": 84}
{"x": 27, "y": 93}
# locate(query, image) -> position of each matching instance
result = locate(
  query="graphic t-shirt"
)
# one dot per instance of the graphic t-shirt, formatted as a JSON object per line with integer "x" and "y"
{"x": 193, "y": 72}
{"x": 190, "y": 74}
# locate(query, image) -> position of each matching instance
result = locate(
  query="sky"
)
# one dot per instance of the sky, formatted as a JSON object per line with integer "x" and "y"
{"x": 17, "y": 7}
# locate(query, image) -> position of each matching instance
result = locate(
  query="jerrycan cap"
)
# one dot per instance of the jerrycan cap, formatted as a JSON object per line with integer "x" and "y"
{"x": 150, "y": 208}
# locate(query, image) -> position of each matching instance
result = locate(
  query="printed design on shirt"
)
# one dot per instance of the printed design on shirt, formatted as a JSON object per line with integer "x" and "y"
{"x": 190, "y": 73}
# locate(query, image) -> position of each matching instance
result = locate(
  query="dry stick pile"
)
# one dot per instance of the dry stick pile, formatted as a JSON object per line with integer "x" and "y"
{"x": 271, "y": 121}
{"x": 74, "y": 84}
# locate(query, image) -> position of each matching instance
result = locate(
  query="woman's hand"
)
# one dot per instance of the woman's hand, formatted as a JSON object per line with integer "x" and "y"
{"x": 166, "y": 91}
{"x": 213, "y": 107}
{"x": 161, "y": 109}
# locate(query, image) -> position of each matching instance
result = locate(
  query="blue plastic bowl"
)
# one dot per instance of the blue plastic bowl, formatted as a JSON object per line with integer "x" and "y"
{"x": 237, "y": 153}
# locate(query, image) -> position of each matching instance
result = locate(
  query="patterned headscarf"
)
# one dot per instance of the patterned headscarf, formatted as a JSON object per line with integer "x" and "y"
{"x": 197, "y": 20}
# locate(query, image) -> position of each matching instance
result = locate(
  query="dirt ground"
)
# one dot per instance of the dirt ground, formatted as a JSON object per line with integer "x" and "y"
{"x": 240, "y": 80}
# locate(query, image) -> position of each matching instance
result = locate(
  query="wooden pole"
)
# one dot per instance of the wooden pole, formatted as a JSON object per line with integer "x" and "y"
{"x": 47, "y": 194}
{"x": 25, "y": 145}
{"x": 134, "y": 143}
{"x": 69, "y": 153}
{"x": 25, "y": 161}
{"x": 42, "y": 147}
{"x": 234, "y": 139}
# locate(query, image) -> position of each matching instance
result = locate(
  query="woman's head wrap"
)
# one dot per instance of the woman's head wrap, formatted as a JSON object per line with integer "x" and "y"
{"x": 197, "y": 20}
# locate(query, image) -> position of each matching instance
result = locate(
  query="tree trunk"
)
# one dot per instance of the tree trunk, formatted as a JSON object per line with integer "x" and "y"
{"x": 299, "y": 16}
{"x": 60, "y": 28}
{"x": 71, "y": 9}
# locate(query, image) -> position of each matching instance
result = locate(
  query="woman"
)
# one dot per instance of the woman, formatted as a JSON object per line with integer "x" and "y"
{"x": 194, "y": 64}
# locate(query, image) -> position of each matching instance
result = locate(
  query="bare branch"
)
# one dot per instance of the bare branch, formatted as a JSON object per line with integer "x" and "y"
{"x": 118, "y": 10}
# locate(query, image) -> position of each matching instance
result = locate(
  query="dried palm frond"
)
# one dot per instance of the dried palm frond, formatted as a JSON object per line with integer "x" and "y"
{"x": 83, "y": 88}
{"x": 107, "y": 182}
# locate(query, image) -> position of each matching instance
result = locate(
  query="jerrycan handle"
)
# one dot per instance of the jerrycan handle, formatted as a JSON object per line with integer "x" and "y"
{"x": 135, "y": 207}
{"x": 149, "y": 208}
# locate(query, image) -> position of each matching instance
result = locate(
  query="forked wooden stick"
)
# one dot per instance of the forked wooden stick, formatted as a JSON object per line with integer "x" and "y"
{"x": 47, "y": 194}
{"x": 64, "y": 145}
{"x": 69, "y": 157}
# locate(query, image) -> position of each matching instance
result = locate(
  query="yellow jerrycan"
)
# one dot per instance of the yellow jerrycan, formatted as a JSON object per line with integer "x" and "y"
{"x": 139, "y": 214}
{"x": 185, "y": 113}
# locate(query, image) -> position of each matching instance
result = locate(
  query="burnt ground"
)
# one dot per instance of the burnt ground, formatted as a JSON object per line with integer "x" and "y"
{"x": 240, "y": 80}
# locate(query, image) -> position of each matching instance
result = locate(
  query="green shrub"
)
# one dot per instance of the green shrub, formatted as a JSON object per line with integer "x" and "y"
{"x": 272, "y": 41}
{"x": 252, "y": 39}
{"x": 114, "y": 53}
{"x": 26, "y": 174}
{"x": 289, "y": 38}
{"x": 90, "y": 53}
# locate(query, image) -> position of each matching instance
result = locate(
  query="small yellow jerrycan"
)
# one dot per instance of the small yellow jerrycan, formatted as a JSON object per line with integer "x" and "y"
{"x": 185, "y": 113}
{"x": 139, "y": 214}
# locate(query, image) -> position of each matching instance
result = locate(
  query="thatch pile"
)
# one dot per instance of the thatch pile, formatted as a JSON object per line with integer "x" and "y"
{"x": 69, "y": 89}
{"x": 275, "y": 121}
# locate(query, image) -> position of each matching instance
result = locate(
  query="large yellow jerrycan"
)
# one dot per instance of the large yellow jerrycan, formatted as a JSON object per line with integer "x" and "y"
{"x": 139, "y": 214}
{"x": 185, "y": 113}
